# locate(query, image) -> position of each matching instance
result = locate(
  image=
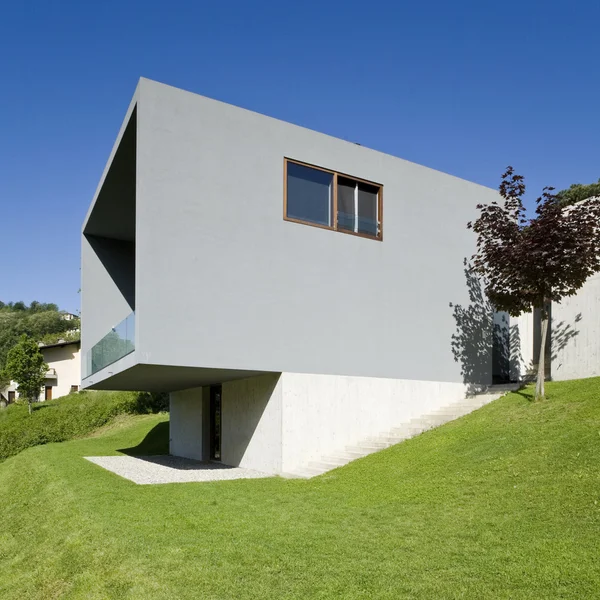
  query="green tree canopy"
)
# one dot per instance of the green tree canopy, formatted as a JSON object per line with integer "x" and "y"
{"x": 578, "y": 192}
{"x": 528, "y": 262}
{"x": 25, "y": 365}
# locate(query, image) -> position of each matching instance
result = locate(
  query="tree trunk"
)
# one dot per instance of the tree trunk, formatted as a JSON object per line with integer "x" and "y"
{"x": 540, "y": 393}
{"x": 29, "y": 405}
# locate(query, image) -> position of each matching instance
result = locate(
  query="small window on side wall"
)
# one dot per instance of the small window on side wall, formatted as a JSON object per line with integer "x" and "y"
{"x": 309, "y": 194}
{"x": 323, "y": 198}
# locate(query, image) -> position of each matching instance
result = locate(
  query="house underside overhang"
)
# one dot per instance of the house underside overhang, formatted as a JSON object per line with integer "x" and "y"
{"x": 161, "y": 378}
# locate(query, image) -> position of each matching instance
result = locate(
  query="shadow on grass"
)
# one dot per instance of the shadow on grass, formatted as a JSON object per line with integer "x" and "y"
{"x": 525, "y": 395}
{"x": 156, "y": 442}
{"x": 35, "y": 406}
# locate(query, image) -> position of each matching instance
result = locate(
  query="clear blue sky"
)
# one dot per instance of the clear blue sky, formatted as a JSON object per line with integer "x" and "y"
{"x": 463, "y": 87}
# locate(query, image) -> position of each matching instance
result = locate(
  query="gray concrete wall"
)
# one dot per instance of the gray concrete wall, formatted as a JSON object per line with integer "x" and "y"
{"x": 224, "y": 282}
{"x": 107, "y": 242}
{"x": 103, "y": 305}
{"x": 251, "y": 423}
{"x": 185, "y": 424}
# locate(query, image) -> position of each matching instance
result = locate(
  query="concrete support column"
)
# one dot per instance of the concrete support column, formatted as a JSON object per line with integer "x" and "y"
{"x": 185, "y": 424}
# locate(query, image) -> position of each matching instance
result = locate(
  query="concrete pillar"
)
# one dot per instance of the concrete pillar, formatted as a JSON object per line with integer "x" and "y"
{"x": 185, "y": 424}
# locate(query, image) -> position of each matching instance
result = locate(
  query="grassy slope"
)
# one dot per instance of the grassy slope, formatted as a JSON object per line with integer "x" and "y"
{"x": 504, "y": 503}
{"x": 66, "y": 418}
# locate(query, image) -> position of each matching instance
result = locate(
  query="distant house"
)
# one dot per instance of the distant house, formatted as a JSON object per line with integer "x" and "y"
{"x": 64, "y": 369}
{"x": 63, "y": 375}
{"x": 67, "y": 316}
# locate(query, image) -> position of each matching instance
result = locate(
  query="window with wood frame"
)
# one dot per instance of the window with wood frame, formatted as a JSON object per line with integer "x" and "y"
{"x": 331, "y": 200}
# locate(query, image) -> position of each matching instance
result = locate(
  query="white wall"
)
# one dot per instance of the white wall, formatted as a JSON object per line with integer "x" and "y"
{"x": 576, "y": 334}
{"x": 251, "y": 423}
{"x": 66, "y": 360}
{"x": 278, "y": 422}
{"x": 325, "y": 413}
{"x": 185, "y": 424}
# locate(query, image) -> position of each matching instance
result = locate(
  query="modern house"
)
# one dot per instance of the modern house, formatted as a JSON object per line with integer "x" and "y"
{"x": 64, "y": 371}
{"x": 292, "y": 291}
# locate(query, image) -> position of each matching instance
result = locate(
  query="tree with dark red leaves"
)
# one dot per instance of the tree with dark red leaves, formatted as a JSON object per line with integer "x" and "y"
{"x": 526, "y": 262}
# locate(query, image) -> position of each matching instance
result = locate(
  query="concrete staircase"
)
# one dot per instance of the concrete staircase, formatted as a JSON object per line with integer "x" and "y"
{"x": 399, "y": 434}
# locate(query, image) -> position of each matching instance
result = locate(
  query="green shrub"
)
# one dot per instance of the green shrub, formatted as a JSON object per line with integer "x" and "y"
{"x": 69, "y": 417}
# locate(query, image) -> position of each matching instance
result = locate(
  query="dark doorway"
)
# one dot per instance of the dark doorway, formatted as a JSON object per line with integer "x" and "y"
{"x": 48, "y": 393}
{"x": 215, "y": 422}
{"x": 501, "y": 347}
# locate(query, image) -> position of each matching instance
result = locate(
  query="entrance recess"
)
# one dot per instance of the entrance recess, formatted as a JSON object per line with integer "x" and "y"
{"x": 215, "y": 422}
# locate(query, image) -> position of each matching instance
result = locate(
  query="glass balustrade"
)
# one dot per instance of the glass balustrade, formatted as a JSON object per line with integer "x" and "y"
{"x": 116, "y": 344}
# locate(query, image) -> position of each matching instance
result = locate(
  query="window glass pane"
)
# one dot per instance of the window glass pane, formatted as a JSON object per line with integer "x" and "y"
{"x": 309, "y": 194}
{"x": 346, "y": 218}
{"x": 367, "y": 209}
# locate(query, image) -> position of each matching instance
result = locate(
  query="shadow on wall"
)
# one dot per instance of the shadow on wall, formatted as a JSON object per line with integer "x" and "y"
{"x": 244, "y": 404}
{"x": 489, "y": 349}
{"x": 506, "y": 350}
{"x": 562, "y": 334}
{"x": 472, "y": 341}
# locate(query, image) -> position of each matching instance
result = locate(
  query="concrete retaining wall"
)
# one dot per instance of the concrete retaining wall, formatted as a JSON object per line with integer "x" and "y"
{"x": 279, "y": 422}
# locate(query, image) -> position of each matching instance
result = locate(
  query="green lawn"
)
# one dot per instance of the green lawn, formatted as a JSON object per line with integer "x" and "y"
{"x": 504, "y": 503}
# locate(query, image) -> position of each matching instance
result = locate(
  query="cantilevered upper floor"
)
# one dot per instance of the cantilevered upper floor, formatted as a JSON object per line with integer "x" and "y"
{"x": 222, "y": 243}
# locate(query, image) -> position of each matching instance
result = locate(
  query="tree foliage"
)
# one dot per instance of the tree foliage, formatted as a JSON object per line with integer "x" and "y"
{"x": 578, "y": 192}
{"x": 528, "y": 262}
{"x": 25, "y": 365}
{"x": 40, "y": 321}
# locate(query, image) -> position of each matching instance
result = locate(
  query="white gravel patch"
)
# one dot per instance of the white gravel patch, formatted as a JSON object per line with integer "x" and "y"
{"x": 146, "y": 470}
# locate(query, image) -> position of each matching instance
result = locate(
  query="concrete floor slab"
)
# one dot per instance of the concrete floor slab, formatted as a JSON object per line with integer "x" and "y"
{"x": 146, "y": 470}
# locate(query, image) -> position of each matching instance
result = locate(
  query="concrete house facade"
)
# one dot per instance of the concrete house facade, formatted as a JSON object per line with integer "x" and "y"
{"x": 292, "y": 291}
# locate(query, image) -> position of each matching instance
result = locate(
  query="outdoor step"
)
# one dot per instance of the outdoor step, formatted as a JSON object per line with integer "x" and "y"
{"x": 366, "y": 448}
{"x": 406, "y": 434}
{"x": 411, "y": 428}
{"x": 293, "y": 475}
{"x": 323, "y": 466}
{"x": 345, "y": 456}
{"x": 306, "y": 472}
{"x": 353, "y": 454}
{"x": 390, "y": 440}
{"x": 333, "y": 460}
{"x": 427, "y": 423}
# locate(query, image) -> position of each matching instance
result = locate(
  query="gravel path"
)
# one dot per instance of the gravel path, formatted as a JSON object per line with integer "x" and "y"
{"x": 170, "y": 469}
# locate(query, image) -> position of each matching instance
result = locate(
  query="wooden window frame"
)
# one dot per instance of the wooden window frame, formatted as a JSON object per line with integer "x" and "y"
{"x": 334, "y": 227}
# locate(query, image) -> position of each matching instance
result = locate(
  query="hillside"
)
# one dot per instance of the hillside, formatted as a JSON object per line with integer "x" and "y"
{"x": 69, "y": 417}
{"x": 503, "y": 503}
